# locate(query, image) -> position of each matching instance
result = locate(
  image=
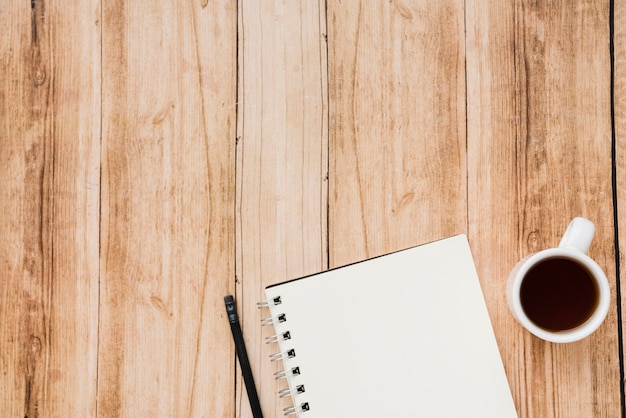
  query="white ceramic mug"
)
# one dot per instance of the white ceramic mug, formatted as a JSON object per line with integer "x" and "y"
{"x": 533, "y": 276}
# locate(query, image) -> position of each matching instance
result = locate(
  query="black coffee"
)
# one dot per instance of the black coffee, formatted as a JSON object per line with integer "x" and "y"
{"x": 559, "y": 294}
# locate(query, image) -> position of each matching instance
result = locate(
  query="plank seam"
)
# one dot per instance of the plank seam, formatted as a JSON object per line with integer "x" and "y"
{"x": 101, "y": 156}
{"x": 618, "y": 293}
{"x": 324, "y": 30}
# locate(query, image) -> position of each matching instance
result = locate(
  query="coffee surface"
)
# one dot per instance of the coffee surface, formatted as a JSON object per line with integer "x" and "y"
{"x": 558, "y": 294}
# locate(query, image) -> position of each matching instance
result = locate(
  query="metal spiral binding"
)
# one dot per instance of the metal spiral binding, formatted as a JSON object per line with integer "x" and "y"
{"x": 284, "y": 374}
{"x": 295, "y": 409}
{"x": 283, "y": 336}
{"x": 271, "y": 320}
{"x": 283, "y": 355}
{"x": 283, "y": 393}
{"x": 269, "y": 302}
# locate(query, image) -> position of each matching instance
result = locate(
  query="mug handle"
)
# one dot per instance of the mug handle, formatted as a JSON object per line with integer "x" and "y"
{"x": 578, "y": 235}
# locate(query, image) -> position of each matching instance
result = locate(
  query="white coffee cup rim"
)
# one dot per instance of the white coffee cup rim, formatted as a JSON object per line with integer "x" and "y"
{"x": 588, "y": 326}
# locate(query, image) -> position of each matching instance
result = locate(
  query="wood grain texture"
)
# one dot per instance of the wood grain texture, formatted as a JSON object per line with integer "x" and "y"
{"x": 155, "y": 156}
{"x": 169, "y": 95}
{"x": 397, "y": 126}
{"x": 49, "y": 198}
{"x": 282, "y": 164}
{"x": 539, "y": 143}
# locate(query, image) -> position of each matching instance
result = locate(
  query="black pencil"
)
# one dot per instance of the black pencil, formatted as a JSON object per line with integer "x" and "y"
{"x": 240, "y": 346}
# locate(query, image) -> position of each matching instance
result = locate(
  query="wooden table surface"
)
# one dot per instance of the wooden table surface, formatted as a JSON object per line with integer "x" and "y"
{"x": 157, "y": 155}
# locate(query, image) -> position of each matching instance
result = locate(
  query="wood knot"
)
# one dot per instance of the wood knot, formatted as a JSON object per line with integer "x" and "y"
{"x": 40, "y": 77}
{"x": 160, "y": 306}
{"x": 533, "y": 241}
{"x": 404, "y": 10}
{"x": 35, "y": 345}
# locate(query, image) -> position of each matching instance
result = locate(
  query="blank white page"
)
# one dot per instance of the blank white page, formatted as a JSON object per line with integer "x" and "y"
{"x": 402, "y": 335}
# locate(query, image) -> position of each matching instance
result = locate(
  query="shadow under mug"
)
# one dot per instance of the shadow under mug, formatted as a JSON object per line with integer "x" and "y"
{"x": 560, "y": 294}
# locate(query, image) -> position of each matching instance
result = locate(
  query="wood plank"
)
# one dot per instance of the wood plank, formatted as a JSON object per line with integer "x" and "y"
{"x": 539, "y": 152}
{"x": 49, "y": 199}
{"x": 619, "y": 102}
{"x": 169, "y": 100}
{"x": 282, "y": 163}
{"x": 397, "y": 126}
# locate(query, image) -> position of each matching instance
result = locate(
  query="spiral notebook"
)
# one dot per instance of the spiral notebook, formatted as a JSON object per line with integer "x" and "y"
{"x": 402, "y": 335}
